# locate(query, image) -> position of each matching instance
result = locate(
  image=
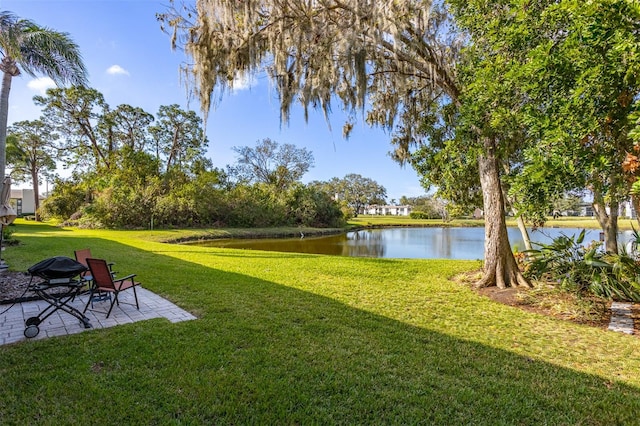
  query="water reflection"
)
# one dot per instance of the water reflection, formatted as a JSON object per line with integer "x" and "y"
{"x": 355, "y": 244}
{"x": 420, "y": 243}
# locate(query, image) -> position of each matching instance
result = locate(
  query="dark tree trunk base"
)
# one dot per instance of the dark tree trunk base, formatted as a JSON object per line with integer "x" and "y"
{"x": 500, "y": 268}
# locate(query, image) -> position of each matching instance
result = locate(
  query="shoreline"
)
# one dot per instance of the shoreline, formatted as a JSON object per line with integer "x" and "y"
{"x": 362, "y": 223}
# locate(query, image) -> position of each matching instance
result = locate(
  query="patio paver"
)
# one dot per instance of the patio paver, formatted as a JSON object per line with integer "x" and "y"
{"x": 60, "y": 323}
{"x": 621, "y": 318}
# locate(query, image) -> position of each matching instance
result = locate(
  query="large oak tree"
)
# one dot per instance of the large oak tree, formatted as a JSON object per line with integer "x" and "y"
{"x": 571, "y": 71}
{"x": 402, "y": 54}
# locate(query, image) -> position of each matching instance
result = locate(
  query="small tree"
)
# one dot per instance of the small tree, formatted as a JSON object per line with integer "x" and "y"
{"x": 273, "y": 164}
{"x": 30, "y": 152}
{"x": 355, "y": 190}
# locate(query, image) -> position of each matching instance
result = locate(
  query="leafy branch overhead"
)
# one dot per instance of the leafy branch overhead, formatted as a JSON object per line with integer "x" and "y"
{"x": 399, "y": 52}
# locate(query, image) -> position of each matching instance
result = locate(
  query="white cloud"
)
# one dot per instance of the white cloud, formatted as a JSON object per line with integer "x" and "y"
{"x": 243, "y": 82}
{"x": 117, "y": 70}
{"x": 41, "y": 85}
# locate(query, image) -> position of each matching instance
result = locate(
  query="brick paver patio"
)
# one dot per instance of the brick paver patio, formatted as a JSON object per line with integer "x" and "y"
{"x": 12, "y": 322}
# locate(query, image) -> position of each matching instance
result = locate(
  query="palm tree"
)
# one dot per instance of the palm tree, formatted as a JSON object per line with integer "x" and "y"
{"x": 25, "y": 46}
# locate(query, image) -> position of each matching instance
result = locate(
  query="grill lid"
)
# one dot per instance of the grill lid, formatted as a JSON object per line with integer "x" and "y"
{"x": 57, "y": 267}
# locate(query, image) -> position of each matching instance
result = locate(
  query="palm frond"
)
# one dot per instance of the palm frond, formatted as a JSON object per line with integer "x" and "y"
{"x": 9, "y": 34}
{"x": 55, "y": 54}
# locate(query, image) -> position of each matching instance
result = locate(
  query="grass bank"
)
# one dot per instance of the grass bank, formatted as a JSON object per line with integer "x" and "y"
{"x": 561, "y": 222}
{"x": 287, "y": 338}
{"x": 362, "y": 221}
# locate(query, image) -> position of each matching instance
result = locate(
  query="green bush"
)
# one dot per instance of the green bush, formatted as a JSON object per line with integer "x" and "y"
{"x": 186, "y": 201}
{"x": 66, "y": 199}
{"x": 7, "y": 236}
{"x": 419, "y": 215}
{"x": 574, "y": 267}
{"x": 308, "y": 206}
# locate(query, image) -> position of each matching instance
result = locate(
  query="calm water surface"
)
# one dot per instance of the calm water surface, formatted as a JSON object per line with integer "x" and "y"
{"x": 415, "y": 243}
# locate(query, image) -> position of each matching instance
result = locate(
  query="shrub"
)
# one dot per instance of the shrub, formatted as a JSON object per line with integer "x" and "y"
{"x": 309, "y": 207}
{"x": 7, "y": 236}
{"x": 66, "y": 199}
{"x": 584, "y": 269}
{"x": 419, "y": 215}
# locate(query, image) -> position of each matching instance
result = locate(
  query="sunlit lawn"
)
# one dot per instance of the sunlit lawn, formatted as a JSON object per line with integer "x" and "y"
{"x": 375, "y": 220}
{"x": 564, "y": 222}
{"x": 306, "y": 339}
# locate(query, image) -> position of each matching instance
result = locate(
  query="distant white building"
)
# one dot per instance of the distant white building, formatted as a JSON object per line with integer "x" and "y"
{"x": 376, "y": 210}
{"x": 625, "y": 210}
{"x": 23, "y": 201}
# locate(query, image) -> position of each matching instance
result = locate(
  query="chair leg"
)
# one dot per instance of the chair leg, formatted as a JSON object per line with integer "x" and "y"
{"x": 113, "y": 302}
{"x": 89, "y": 301}
{"x": 136, "y": 296}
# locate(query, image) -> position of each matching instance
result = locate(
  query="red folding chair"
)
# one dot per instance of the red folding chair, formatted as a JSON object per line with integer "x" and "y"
{"x": 103, "y": 281}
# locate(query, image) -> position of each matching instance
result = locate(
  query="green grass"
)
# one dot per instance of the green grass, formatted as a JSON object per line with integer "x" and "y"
{"x": 288, "y": 338}
{"x": 374, "y": 220}
{"x": 563, "y": 222}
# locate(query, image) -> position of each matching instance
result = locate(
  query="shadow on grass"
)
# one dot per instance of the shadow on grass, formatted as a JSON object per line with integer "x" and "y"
{"x": 263, "y": 353}
{"x": 35, "y": 227}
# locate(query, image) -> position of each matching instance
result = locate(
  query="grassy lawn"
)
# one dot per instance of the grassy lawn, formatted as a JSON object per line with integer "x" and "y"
{"x": 371, "y": 220}
{"x": 561, "y": 222}
{"x": 288, "y": 338}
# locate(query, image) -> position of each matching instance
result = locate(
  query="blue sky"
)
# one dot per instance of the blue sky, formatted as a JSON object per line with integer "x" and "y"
{"x": 130, "y": 61}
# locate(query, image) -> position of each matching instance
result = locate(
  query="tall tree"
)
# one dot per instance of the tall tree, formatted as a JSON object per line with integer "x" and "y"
{"x": 31, "y": 152}
{"x": 129, "y": 127}
{"x": 78, "y": 114}
{"x": 596, "y": 65}
{"x": 178, "y": 136}
{"x": 401, "y": 53}
{"x": 274, "y": 164}
{"x": 27, "y": 47}
{"x": 572, "y": 72}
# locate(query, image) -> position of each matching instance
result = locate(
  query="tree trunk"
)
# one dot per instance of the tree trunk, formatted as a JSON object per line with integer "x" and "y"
{"x": 500, "y": 267}
{"x": 525, "y": 233}
{"x": 36, "y": 195}
{"x": 608, "y": 221}
{"x": 4, "y": 113}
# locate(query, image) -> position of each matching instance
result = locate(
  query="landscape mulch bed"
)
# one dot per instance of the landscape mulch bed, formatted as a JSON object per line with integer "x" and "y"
{"x": 14, "y": 287}
{"x": 512, "y": 297}
{"x": 509, "y": 296}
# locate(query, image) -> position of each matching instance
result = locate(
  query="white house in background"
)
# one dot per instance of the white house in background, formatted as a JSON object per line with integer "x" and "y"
{"x": 625, "y": 211}
{"x": 387, "y": 210}
{"x": 23, "y": 202}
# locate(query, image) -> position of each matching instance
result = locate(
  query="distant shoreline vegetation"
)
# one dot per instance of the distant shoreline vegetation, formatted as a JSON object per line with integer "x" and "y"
{"x": 355, "y": 224}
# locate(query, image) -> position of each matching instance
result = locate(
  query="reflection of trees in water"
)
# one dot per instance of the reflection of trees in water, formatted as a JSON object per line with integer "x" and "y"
{"x": 356, "y": 244}
{"x": 364, "y": 244}
{"x": 466, "y": 243}
{"x": 445, "y": 243}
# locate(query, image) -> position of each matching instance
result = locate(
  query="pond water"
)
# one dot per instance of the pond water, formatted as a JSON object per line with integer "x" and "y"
{"x": 414, "y": 243}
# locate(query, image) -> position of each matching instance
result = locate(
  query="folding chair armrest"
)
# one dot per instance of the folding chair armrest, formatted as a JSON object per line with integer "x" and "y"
{"x": 125, "y": 278}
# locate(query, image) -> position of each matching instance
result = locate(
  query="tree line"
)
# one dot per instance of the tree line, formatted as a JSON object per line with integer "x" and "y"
{"x": 133, "y": 169}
